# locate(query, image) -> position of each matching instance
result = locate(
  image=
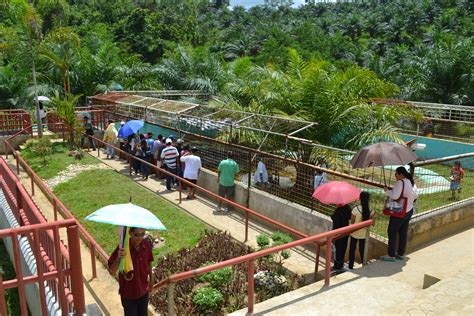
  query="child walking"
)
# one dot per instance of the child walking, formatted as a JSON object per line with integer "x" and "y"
{"x": 457, "y": 173}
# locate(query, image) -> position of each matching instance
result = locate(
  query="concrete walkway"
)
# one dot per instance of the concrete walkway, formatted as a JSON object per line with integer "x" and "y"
{"x": 386, "y": 288}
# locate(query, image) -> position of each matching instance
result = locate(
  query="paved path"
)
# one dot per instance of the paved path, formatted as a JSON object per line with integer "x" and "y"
{"x": 386, "y": 288}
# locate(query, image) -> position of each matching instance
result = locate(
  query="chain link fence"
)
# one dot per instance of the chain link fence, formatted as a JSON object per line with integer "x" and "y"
{"x": 295, "y": 167}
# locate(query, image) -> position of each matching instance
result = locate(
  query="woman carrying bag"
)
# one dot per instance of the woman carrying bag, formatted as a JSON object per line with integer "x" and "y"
{"x": 403, "y": 193}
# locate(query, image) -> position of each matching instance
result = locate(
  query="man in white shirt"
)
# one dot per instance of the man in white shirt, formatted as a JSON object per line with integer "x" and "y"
{"x": 191, "y": 171}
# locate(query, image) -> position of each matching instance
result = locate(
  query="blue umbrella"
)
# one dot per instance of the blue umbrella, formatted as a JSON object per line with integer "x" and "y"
{"x": 131, "y": 127}
{"x": 126, "y": 215}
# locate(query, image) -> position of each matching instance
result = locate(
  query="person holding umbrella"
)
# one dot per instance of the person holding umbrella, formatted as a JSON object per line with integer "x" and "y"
{"x": 341, "y": 194}
{"x": 398, "y": 227}
{"x": 134, "y": 290}
{"x": 340, "y": 218}
{"x": 133, "y": 256}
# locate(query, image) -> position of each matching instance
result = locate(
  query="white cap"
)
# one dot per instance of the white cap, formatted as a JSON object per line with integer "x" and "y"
{"x": 168, "y": 141}
{"x": 122, "y": 123}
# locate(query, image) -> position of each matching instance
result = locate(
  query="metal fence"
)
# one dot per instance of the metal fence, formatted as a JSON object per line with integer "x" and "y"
{"x": 444, "y": 121}
{"x": 58, "y": 269}
{"x": 293, "y": 165}
{"x": 289, "y": 178}
{"x": 12, "y": 121}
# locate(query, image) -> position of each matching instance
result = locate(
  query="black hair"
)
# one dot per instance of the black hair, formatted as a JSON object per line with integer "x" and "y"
{"x": 160, "y": 137}
{"x": 230, "y": 155}
{"x": 364, "y": 202}
{"x": 406, "y": 174}
{"x": 457, "y": 163}
{"x": 186, "y": 147}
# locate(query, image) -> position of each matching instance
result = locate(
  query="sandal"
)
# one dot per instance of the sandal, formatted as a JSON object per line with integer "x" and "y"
{"x": 387, "y": 258}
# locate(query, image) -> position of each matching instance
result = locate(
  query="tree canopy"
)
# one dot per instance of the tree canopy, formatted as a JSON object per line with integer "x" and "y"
{"x": 319, "y": 61}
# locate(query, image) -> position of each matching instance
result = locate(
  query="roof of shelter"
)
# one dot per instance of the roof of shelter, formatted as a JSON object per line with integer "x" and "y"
{"x": 194, "y": 113}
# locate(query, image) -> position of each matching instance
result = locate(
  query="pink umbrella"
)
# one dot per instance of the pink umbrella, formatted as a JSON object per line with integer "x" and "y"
{"x": 336, "y": 192}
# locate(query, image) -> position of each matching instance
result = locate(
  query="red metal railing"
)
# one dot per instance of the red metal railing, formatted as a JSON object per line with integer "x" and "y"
{"x": 326, "y": 237}
{"x": 62, "y": 275}
{"x": 58, "y": 266}
{"x": 12, "y": 121}
{"x": 58, "y": 206}
{"x": 332, "y": 235}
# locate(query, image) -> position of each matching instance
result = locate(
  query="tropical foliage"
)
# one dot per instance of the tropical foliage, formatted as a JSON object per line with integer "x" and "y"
{"x": 321, "y": 62}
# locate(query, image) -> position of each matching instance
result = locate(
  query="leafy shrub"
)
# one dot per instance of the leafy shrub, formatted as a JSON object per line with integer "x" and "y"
{"x": 263, "y": 241}
{"x": 41, "y": 148}
{"x": 281, "y": 237}
{"x": 217, "y": 278}
{"x": 208, "y": 299}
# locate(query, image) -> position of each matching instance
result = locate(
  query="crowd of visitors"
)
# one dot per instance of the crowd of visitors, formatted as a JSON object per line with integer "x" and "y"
{"x": 181, "y": 159}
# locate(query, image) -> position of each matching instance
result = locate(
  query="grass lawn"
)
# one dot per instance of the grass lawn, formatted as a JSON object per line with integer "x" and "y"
{"x": 55, "y": 163}
{"x": 428, "y": 202}
{"x": 94, "y": 189}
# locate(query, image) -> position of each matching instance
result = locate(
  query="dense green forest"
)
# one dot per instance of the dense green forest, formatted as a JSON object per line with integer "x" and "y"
{"x": 272, "y": 59}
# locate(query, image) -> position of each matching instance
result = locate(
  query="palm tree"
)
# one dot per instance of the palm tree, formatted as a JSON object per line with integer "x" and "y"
{"x": 65, "y": 107}
{"x": 29, "y": 36}
{"x": 59, "y": 49}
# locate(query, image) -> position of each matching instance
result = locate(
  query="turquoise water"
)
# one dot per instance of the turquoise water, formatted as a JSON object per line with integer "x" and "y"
{"x": 154, "y": 129}
{"x": 438, "y": 148}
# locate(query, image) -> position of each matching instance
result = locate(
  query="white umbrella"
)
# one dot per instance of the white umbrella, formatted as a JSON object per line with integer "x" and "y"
{"x": 43, "y": 98}
{"x": 130, "y": 215}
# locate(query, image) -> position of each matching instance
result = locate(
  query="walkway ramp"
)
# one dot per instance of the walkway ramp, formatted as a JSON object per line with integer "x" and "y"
{"x": 385, "y": 288}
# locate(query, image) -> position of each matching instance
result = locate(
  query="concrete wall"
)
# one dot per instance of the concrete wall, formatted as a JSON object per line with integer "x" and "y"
{"x": 424, "y": 228}
{"x": 291, "y": 214}
{"x": 432, "y": 226}
{"x": 16, "y": 142}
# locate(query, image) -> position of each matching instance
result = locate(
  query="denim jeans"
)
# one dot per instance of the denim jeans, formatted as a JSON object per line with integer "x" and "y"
{"x": 91, "y": 141}
{"x": 169, "y": 179}
{"x": 110, "y": 151}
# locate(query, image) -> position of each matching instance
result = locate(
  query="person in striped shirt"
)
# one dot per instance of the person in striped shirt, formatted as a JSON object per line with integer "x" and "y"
{"x": 169, "y": 156}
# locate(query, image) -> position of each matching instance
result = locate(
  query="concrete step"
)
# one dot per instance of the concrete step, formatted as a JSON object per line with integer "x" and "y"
{"x": 394, "y": 288}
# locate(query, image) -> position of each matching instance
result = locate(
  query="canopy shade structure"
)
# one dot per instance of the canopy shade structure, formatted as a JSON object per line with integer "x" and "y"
{"x": 201, "y": 116}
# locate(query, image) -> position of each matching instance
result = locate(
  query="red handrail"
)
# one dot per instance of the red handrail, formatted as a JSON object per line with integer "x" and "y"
{"x": 50, "y": 252}
{"x": 69, "y": 301}
{"x": 93, "y": 245}
{"x": 329, "y": 236}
